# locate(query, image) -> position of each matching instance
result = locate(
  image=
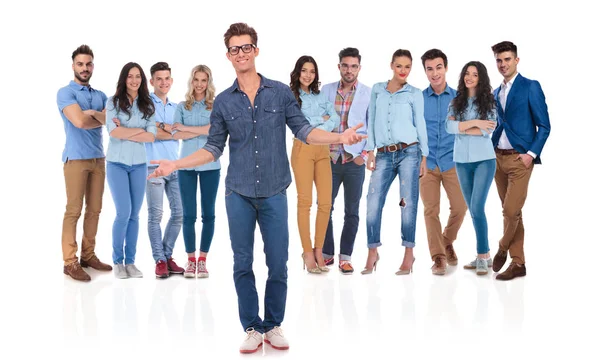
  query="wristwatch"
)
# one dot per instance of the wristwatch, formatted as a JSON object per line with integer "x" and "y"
{"x": 162, "y": 125}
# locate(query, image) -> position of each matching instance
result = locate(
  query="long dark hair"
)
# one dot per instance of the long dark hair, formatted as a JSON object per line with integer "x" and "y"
{"x": 295, "y": 77}
{"x": 121, "y": 99}
{"x": 484, "y": 99}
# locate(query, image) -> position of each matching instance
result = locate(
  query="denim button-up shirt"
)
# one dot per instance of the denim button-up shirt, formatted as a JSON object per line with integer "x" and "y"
{"x": 440, "y": 142}
{"x": 315, "y": 106}
{"x": 198, "y": 116}
{"x": 258, "y": 162}
{"x": 126, "y": 151}
{"x": 470, "y": 148}
{"x": 396, "y": 118}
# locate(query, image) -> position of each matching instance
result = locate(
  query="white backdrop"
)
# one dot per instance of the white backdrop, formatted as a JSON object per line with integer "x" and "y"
{"x": 456, "y": 316}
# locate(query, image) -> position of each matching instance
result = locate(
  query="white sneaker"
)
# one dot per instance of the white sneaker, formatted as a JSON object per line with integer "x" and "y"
{"x": 276, "y": 339}
{"x": 133, "y": 271}
{"x": 252, "y": 343}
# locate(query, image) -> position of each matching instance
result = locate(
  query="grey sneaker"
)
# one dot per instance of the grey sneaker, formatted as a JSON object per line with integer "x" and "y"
{"x": 120, "y": 272}
{"x": 133, "y": 272}
{"x": 482, "y": 266}
{"x": 473, "y": 264}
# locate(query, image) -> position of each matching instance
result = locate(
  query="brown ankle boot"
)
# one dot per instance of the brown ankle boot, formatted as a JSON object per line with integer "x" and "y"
{"x": 75, "y": 271}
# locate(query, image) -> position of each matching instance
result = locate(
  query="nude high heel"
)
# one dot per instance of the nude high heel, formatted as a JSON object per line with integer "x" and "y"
{"x": 406, "y": 272}
{"x": 322, "y": 268}
{"x": 367, "y": 271}
{"x": 315, "y": 270}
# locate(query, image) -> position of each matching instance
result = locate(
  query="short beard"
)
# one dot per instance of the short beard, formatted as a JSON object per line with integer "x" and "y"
{"x": 83, "y": 81}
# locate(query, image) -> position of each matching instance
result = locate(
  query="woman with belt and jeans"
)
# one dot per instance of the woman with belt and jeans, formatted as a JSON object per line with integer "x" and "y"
{"x": 472, "y": 117}
{"x": 397, "y": 145}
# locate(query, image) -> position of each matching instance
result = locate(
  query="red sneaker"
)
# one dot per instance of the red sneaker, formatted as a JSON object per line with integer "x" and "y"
{"x": 173, "y": 267}
{"x": 161, "y": 270}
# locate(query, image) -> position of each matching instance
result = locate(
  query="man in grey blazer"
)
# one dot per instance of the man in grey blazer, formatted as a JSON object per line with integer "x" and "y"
{"x": 351, "y": 101}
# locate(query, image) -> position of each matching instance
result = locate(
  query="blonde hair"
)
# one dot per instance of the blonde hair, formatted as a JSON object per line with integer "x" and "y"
{"x": 209, "y": 98}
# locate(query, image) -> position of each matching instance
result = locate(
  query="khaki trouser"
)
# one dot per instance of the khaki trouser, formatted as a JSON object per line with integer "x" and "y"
{"x": 311, "y": 164}
{"x": 84, "y": 179}
{"x": 430, "y": 195}
{"x": 512, "y": 181}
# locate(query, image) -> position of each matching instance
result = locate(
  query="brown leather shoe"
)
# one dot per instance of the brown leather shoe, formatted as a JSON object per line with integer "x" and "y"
{"x": 439, "y": 265}
{"x": 499, "y": 260}
{"x": 95, "y": 263}
{"x": 75, "y": 271}
{"x": 514, "y": 270}
{"x": 451, "y": 255}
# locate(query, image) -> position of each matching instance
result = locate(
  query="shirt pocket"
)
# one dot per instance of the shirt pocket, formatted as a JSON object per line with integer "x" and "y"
{"x": 274, "y": 116}
{"x": 235, "y": 123}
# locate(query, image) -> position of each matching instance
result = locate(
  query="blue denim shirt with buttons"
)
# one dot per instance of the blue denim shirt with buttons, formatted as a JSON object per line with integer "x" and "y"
{"x": 258, "y": 161}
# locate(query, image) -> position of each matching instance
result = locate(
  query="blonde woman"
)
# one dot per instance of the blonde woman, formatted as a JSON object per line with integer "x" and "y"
{"x": 191, "y": 124}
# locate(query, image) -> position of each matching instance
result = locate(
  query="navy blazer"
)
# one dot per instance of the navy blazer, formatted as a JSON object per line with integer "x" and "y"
{"x": 525, "y": 118}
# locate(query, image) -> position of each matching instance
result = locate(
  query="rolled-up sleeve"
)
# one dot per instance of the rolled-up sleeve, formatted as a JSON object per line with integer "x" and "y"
{"x": 217, "y": 134}
{"x": 111, "y": 113}
{"x": 294, "y": 118}
{"x": 451, "y": 125}
{"x": 151, "y": 125}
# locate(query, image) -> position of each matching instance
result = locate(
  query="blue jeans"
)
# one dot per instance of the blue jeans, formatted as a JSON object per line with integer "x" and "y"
{"x": 353, "y": 177}
{"x": 127, "y": 185}
{"x": 405, "y": 163}
{"x": 209, "y": 184}
{"x": 475, "y": 180}
{"x": 162, "y": 248}
{"x": 272, "y": 216}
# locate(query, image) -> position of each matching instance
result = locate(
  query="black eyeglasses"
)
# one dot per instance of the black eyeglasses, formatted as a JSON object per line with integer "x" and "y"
{"x": 246, "y": 48}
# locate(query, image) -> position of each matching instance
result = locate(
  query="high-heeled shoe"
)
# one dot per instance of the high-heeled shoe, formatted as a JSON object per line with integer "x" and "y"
{"x": 323, "y": 268}
{"x": 315, "y": 270}
{"x": 367, "y": 271}
{"x": 406, "y": 272}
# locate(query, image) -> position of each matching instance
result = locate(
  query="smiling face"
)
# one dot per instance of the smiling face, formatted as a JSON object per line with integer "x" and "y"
{"x": 401, "y": 67}
{"x": 436, "y": 72}
{"x": 471, "y": 80}
{"x": 134, "y": 80}
{"x": 242, "y": 62}
{"x": 200, "y": 83}
{"x": 307, "y": 75}
{"x": 506, "y": 62}
{"x": 83, "y": 68}
{"x": 161, "y": 81}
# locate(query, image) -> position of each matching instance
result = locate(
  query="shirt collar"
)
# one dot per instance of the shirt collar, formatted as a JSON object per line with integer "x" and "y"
{"x": 431, "y": 92}
{"x": 264, "y": 82}
{"x": 353, "y": 87}
{"x": 79, "y": 87}
{"x": 158, "y": 100}
{"x": 510, "y": 82}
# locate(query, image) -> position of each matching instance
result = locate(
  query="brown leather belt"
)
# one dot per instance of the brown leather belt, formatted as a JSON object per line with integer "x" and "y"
{"x": 506, "y": 151}
{"x": 395, "y": 147}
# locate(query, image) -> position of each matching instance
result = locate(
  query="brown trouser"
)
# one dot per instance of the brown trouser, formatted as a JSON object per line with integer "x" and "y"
{"x": 83, "y": 179}
{"x": 430, "y": 195}
{"x": 311, "y": 163}
{"x": 512, "y": 181}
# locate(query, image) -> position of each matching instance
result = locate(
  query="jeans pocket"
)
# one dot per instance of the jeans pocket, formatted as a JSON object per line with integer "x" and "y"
{"x": 228, "y": 192}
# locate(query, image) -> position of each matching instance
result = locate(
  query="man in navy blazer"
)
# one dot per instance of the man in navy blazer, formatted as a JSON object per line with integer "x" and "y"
{"x": 523, "y": 128}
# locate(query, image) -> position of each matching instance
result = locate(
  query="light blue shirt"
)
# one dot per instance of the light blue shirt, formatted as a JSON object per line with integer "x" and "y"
{"x": 315, "y": 106}
{"x": 396, "y": 117}
{"x": 81, "y": 144}
{"x": 198, "y": 116}
{"x": 126, "y": 151}
{"x": 162, "y": 149}
{"x": 470, "y": 148}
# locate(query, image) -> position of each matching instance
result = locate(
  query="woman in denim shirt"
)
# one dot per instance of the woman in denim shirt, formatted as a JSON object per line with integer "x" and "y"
{"x": 131, "y": 124}
{"x": 191, "y": 123}
{"x": 472, "y": 117}
{"x": 397, "y": 145}
{"x": 311, "y": 162}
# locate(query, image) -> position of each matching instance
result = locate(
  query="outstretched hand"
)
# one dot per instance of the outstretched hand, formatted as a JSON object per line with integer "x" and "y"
{"x": 350, "y": 137}
{"x": 165, "y": 167}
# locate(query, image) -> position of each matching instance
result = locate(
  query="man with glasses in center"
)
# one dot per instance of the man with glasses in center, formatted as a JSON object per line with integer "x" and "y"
{"x": 351, "y": 100}
{"x": 253, "y": 114}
